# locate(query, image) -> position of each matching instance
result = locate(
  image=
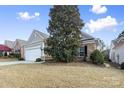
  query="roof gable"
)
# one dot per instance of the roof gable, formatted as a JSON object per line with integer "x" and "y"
{"x": 45, "y": 36}
{"x": 37, "y": 36}
{"x": 19, "y": 43}
{"x": 9, "y": 43}
{"x": 86, "y": 36}
{"x": 117, "y": 42}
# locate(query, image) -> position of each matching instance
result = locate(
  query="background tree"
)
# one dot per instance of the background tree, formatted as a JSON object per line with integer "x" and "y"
{"x": 102, "y": 44}
{"x": 121, "y": 34}
{"x": 65, "y": 29}
{"x": 105, "y": 53}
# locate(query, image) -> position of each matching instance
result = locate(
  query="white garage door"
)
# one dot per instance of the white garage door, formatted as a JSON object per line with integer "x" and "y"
{"x": 32, "y": 53}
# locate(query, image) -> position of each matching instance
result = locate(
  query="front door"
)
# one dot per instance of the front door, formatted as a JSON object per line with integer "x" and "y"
{"x": 85, "y": 51}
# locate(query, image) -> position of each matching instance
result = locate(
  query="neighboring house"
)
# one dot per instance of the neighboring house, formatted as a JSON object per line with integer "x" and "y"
{"x": 88, "y": 45}
{"x": 19, "y": 47}
{"x": 117, "y": 50}
{"x": 9, "y": 43}
{"x": 112, "y": 51}
{"x": 34, "y": 47}
{"x": 4, "y": 50}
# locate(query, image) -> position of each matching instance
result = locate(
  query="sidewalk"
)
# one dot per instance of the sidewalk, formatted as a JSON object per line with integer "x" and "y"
{"x": 17, "y": 62}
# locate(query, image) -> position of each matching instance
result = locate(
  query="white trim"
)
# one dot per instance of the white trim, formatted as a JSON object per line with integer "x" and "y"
{"x": 34, "y": 44}
{"x": 40, "y": 36}
{"x": 31, "y": 48}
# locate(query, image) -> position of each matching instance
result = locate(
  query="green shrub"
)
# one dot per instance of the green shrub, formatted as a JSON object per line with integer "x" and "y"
{"x": 11, "y": 55}
{"x": 106, "y": 57}
{"x": 106, "y": 54}
{"x": 21, "y": 59}
{"x": 122, "y": 66}
{"x": 38, "y": 60}
{"x": 97, "y": 57}
{"x": 5, "y": 54}
{"x": 1, "y": 54}
{"x": 16, "y": 55}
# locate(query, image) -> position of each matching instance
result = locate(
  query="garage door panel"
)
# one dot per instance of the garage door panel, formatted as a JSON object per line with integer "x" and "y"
{"x": 32, "y": 53}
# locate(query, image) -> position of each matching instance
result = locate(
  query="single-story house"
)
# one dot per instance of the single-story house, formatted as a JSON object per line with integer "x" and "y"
{"x": 10, "y": 44}
{"x": 117, "y": 50}
{"x": 4, "y": 50}
{"x": 34, "y": 47}
{"x": 17, "y": 46}
{"x": 88, "y": 45}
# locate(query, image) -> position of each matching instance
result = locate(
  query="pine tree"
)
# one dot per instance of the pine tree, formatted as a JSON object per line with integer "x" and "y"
{"x": 65, "y": 30}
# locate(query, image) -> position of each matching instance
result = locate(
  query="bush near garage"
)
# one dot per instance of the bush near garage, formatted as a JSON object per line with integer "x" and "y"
{"x": 38, "y": 60}
{"x": 21, "y": 59}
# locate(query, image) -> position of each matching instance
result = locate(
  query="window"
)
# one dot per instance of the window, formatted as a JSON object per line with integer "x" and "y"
{"x": 81, "y": 52}
{"x": 17, "y": 51}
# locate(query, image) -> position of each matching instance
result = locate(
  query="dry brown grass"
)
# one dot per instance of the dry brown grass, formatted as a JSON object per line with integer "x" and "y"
{"x": 60, "y": 75}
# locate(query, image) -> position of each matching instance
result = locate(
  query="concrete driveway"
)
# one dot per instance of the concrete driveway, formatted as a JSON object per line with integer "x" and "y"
{"x": 17, "y": 62}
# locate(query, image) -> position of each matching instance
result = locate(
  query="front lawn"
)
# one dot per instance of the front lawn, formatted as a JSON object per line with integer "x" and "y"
{"x": 60, "y": 75}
